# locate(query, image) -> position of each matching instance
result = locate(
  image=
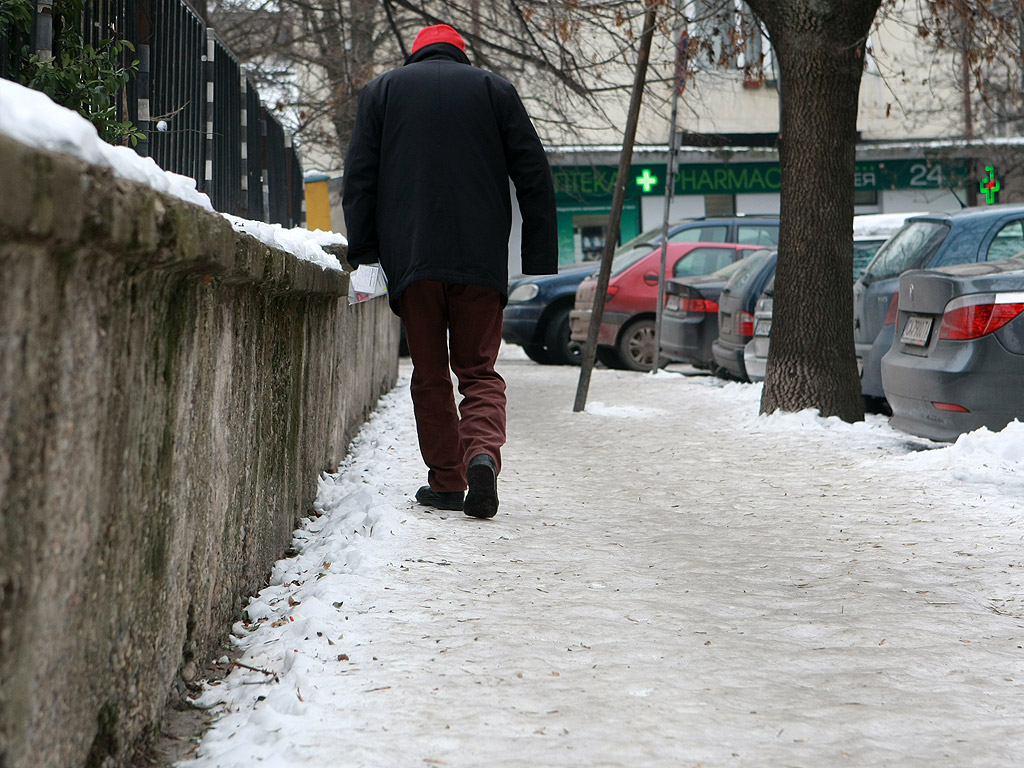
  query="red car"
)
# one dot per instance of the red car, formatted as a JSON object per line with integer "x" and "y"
{"x": 626, "y": 338}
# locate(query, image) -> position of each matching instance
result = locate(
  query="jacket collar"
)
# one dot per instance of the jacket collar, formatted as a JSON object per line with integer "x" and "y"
{"x": 438, "y": 51}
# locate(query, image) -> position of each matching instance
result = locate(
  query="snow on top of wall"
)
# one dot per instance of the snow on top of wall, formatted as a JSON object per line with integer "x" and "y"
{"x": 31, "y": 118}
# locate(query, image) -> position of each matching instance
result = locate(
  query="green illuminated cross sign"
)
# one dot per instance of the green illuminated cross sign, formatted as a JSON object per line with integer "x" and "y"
{"x": 646, "y": 180}
{"x": 988, "y": 186}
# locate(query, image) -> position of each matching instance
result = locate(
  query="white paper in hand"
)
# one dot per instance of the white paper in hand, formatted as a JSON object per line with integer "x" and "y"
{"x": 366, "y": 282}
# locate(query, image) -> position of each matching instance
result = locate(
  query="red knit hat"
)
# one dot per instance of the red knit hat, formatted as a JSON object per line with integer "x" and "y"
{"x": 439, "y": 33}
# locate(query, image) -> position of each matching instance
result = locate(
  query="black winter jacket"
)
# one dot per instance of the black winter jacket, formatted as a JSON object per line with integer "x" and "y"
{"x": 426, "y": 186}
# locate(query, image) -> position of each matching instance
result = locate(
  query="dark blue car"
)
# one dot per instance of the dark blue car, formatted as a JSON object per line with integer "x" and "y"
{"x": 537, "y": 315}
{"x": 982, "y": 233}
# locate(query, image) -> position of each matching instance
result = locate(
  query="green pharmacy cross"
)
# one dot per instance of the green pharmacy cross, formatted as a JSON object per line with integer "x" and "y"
{"x": 988, "y": 185}
{"x": 646, "y": 180}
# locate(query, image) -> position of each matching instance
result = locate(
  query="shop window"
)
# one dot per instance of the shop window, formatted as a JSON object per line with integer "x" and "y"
{"x": 865, "y": 197}
{"x": 719, "y": 205}
{"x": 592, "y": 241}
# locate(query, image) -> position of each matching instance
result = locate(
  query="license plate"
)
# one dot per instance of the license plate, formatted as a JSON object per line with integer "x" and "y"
{"x": 917, "y": 330}
{"x": 763, "y": 328}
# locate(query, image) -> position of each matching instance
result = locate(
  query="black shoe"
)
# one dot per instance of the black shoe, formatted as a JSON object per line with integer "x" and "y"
{"x": 439, "y": 499}
{"x": 482, "y": 498}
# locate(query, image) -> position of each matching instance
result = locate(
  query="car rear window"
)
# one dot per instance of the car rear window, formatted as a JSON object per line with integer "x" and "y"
{"x": 703, "y": 261}
{"x": 627, "y": 259}
{"x": 909, "y": 248}
{"x": 863, "y": 251}
{"x": 747, "y": 270}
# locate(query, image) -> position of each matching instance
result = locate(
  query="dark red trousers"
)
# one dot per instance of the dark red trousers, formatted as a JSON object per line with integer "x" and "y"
{"x": 451, "y": 327}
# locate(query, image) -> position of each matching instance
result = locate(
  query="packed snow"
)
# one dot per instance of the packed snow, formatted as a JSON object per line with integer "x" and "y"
{"x": 34, "y": 119}
{"x": 671, "y": 580}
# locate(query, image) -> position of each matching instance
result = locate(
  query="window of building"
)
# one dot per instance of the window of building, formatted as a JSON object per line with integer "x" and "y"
{"x": 727, "y": 35}
{"x": 719, "y": 205}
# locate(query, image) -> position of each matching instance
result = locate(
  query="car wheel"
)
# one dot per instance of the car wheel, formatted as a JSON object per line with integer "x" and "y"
{"x": 636, "y": 345}
{"x": 609, "y": 358}
{"x": 537, "y": 353}
{"x": 561, "y": 349}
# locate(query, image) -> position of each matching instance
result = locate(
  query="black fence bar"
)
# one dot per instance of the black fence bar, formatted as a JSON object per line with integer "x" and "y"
{"x": 189, "y": 98}
{"x": 253, "y": 182}
{"x": 275, "y": 164}
{"x": 226, "y": 139}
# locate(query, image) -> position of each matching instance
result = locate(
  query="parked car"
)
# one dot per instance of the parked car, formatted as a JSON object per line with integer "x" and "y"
{"x": 982, "y": 233}
{"x": 957, "y": 362}
{"x": 736, "y": 313}
{"x": 870, "y": 231}
{"x": 537, "y": 314}
{"x": 755, "y": 353}
{"x": 689, "y": 322}
{"x": 626, "y": 336}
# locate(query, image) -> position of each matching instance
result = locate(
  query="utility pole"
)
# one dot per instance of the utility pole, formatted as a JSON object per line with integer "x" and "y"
{"x": 678, "y": 83}
{"x": 618, "y": 198}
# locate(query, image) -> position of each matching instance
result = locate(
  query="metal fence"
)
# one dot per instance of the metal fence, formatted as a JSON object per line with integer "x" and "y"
{"x": 199, "y": 114}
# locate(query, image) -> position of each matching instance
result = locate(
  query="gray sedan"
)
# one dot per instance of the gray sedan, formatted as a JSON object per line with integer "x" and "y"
{"x": 957, "y": 361}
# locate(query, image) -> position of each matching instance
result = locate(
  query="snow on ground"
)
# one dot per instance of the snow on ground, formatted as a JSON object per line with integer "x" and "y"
{"x": 33, "y": 119}
{"x": 671, "y": 580}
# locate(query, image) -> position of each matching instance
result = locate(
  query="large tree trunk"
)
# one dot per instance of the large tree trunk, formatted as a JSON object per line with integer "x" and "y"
{"x": 820, "y": 51}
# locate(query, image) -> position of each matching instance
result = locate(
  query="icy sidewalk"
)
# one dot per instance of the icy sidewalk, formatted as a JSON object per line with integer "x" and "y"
{"x": 670, "y": 581}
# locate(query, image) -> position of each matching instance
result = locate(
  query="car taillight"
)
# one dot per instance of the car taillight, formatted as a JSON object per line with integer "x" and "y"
{"x": 743, "y": 324}
{"x": 950, "y": 407}
{"x": 612, "y": 290}
{"x": 971, "y": 317}
{"x": 698, "y": 305}
{"x": 672, "y": 302}
{"x": 894, "y": 309}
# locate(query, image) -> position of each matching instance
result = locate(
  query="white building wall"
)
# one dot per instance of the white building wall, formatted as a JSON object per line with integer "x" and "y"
{"x": 652, "y": 210}
{"x": 758, "y": 203}
{"x": 931, "y": 200}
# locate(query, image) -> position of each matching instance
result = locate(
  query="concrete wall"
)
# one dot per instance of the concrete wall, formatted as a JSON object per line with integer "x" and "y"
{"x": 169, "y": 392}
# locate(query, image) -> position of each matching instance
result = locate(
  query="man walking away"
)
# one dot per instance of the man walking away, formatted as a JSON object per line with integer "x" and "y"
{"x": 426, "y": 194}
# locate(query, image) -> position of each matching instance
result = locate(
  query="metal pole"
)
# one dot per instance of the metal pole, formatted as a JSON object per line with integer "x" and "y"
{"x": 618, "y": 197}
{"x": 678, "y": 83}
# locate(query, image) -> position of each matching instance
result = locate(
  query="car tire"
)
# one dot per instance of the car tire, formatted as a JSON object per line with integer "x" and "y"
{"x": 635, "y": 346}
{"x": 538, "y": 354}
{"x": 560, "y": 348}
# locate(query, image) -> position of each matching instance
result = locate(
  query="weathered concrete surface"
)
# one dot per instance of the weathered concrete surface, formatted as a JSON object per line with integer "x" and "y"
{"x": 169, "y": 392}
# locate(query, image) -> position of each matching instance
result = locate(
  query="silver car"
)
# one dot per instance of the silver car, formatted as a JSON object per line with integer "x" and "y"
{"x": 957, "y": 359}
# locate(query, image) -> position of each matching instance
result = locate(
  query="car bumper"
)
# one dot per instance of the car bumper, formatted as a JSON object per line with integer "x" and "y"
{"x": 611, "y": 324}
{"x": 980, "y": 376}
{"x": 869, "y": 361}
{"x": 753, "y": 361}
{"x": 729, "y": 356}
{"x": 688, "y": 339}
{"x": 520, "y": 323}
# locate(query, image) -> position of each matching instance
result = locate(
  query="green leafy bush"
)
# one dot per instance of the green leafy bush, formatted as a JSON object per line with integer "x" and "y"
{"x": 82, "y": 77}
